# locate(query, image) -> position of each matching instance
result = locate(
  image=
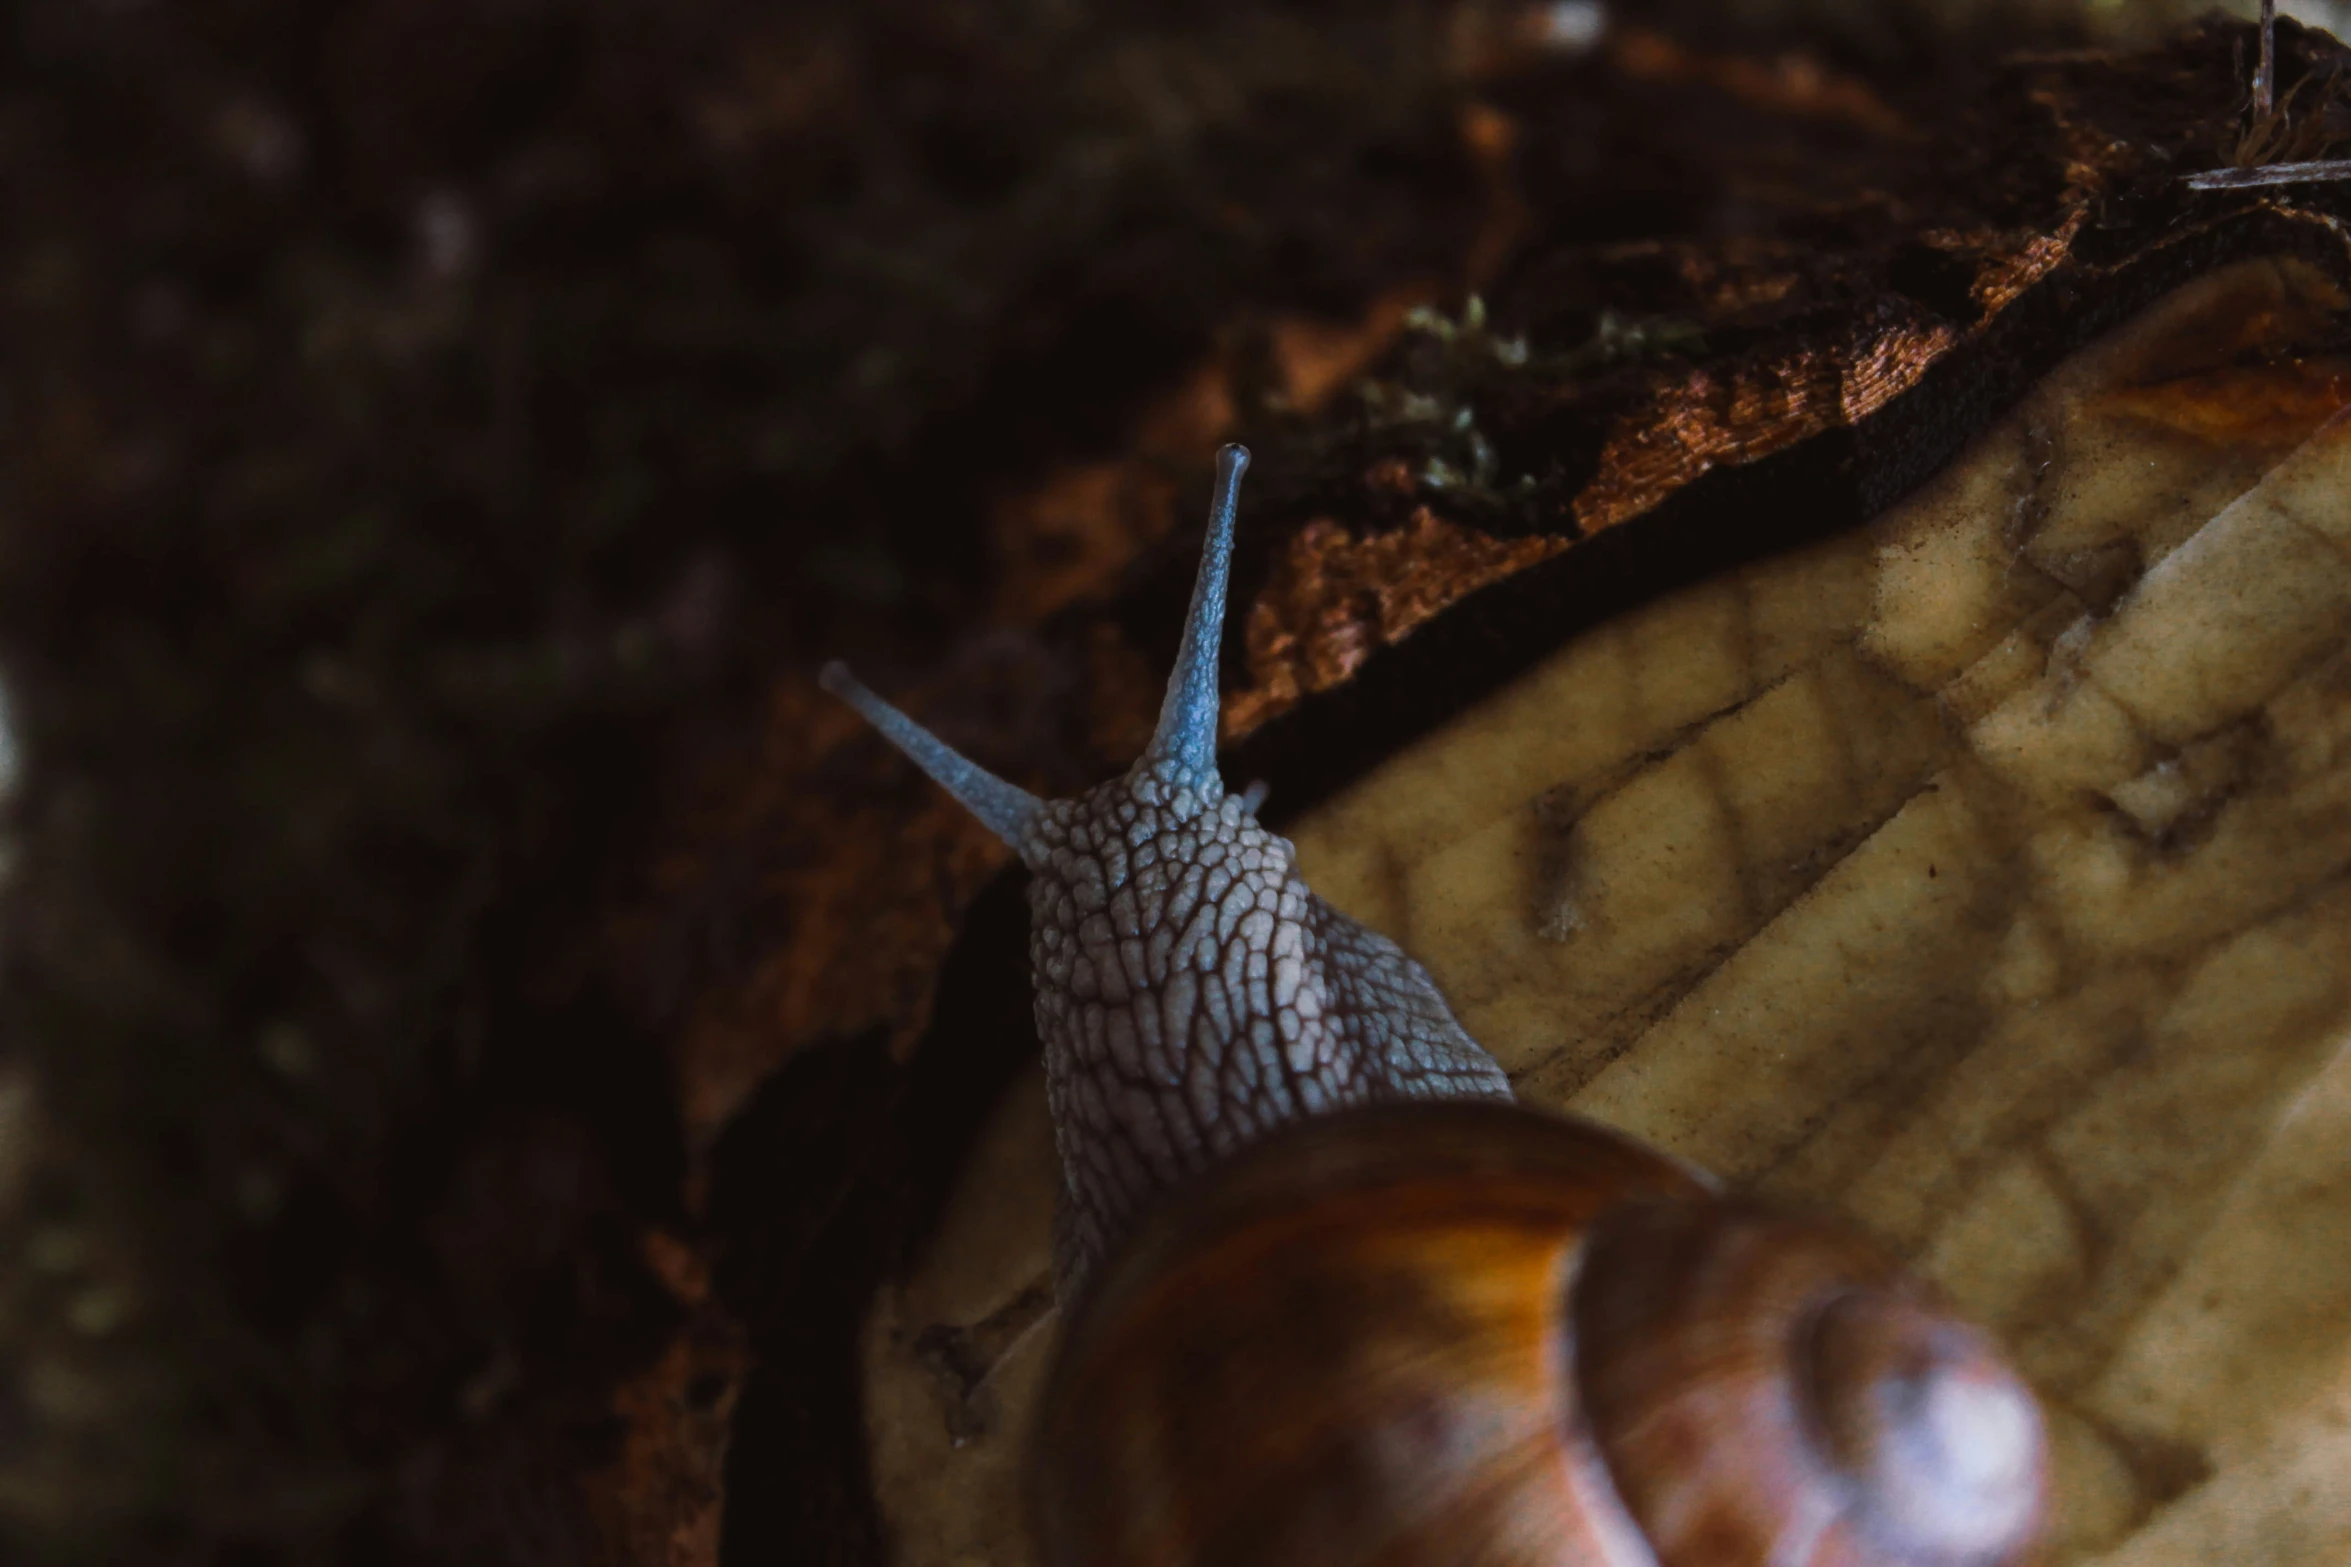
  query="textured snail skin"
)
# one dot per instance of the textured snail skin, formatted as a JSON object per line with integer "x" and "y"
{"x": 1193, "y": 994}
{"x": 1314, "y": 1323}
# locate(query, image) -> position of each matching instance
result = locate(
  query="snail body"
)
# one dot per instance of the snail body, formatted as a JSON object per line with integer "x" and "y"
{"x": 1333, "y": 1297}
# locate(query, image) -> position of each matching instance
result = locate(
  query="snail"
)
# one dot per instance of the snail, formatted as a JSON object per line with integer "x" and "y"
{"x": 1334, "y": 1297}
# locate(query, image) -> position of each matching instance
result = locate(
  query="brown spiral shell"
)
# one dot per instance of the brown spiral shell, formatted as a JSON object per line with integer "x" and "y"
{"x": 1470, "y": 1333}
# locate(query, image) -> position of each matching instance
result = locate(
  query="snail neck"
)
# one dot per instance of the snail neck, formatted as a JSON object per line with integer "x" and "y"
{"x": 1194, "y": 995}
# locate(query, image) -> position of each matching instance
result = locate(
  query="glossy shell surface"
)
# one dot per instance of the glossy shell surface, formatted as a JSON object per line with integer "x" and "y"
{"x": 1768, "y": 1388}
{"x": 1395, "y": 1276}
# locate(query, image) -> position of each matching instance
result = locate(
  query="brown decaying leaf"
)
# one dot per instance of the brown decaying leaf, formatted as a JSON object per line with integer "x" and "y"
{"x": 1744, "y": 412}
{"x": 1062, "y": 539}
{"x": 1335, "y": 597}
{"x": 661, "y": 1502}
{"x": 869, "y": 903}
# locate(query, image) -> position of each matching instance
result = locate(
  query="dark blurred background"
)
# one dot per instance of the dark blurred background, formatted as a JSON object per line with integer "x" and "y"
{"x": 427, "y": 430}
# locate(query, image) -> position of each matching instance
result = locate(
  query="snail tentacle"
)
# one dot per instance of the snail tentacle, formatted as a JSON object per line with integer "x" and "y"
{"x": 1006, "y": 809}
{"x": 1183, "y": 748}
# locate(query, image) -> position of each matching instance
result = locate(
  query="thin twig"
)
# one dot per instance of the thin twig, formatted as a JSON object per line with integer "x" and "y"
{"x": 2265, "y": 76}
{"x": 2271, "y": 174}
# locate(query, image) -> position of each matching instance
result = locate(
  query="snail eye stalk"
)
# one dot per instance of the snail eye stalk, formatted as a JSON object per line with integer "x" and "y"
{"x": 1184, "y": 745}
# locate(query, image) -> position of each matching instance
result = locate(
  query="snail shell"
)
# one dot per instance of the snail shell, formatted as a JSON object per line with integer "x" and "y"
{"x": 1476, "y": 1333}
